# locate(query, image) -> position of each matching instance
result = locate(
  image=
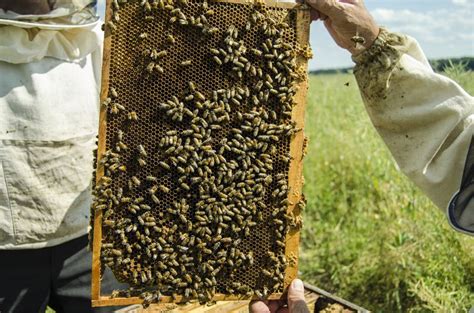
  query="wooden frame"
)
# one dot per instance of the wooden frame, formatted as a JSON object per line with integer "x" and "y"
{"x": 295, "y": 180}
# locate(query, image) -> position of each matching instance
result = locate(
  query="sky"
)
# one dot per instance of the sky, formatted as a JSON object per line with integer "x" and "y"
{"x": 444, "y": 28}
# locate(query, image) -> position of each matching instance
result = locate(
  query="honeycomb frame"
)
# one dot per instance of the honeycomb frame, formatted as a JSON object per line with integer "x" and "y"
{"x": 296, "y": 150}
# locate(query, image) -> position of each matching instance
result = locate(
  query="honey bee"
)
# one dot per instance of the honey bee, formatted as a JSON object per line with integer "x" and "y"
{"x": 164, "y": 165}
{"x": 171, "y": 39}
{"x": 217, "y": 60}
{"x": 116, "y": 252}
{"x": 186, "y": 63}
{"x": 158, "y": 69}
{"x": 135, "y": 181}
{"x": 142, "y": 150}
{"x": 150, "y": 67}
{"x": 164, "y": 189}
{"x": 133, "y": 116}
{"x": 111, "y": 27}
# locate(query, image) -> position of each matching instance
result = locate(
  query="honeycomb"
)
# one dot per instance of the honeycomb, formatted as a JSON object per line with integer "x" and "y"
{"x": 194, "y": 193}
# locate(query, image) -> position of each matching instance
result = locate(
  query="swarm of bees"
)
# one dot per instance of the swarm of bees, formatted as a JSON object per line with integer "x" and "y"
{"x": 201, "y": 208}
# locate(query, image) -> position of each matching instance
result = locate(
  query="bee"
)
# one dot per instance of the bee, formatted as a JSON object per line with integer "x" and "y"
{"x": 164, "y": 165}
{"x": 142, "y": 150}
{"x": 111, "y": 27}
{"x": 158, "y": 69}
{"x": 171, "y": 39}
{"x": 151, "y": 178}
{"x": 135, "y": 181}
{"x": 116, "y": 252}
{"x": 106, "y": 102}
{"x": 358, "y": 40}
{"x": 226, "y": 240}
{"x": 160, "y": 54}
{"x": 109, "y": 223}
{"x": 121, "y": 145}
{"x": 133, "y": 116}
{"x": 150, "y": 67}
{"x": 147, "y": 6}
{"x": 113, "y": 92}
{"x": 200, "y": 96}
{"x": 217, "y": 60}
{"x": 141, "y": 162}
{"x": 143, "y": 36}
{"x": 145, "y": 207}
{"x": 266, "y": 273}
{"x": 186, "y": 63}
{"x": 115, "y": 5}
{"x": 164, "y": 189}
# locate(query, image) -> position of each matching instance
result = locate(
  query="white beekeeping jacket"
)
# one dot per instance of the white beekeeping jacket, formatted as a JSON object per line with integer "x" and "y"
{"x": 49, "y": 87}
{"x": 426, "y": 120}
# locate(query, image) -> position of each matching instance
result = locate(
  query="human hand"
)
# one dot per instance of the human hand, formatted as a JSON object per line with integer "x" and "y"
{"x": 296, "y": 302}
{"x": 27, "y": 6}
{"x": 348, "y": 22}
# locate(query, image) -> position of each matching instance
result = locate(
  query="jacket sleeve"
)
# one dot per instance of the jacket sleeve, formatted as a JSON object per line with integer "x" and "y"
{"x": 425, "y": 119}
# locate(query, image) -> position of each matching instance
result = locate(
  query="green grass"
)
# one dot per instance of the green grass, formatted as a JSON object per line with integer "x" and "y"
{"x": 370, "y": 236}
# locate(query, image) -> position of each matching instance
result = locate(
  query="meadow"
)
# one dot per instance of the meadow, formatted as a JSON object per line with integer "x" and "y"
{"x": 369, "y": 235}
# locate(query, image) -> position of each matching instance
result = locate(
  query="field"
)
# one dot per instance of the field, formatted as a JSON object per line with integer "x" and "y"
{"x": 370, "y": 236}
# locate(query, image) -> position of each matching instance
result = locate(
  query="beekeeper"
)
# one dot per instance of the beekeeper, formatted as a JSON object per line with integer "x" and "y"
{"x": 425, "y": 119}
{"x": 50, "y": 59}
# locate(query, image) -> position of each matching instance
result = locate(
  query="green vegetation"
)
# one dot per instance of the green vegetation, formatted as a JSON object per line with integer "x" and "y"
{"x": 369, "y": 235}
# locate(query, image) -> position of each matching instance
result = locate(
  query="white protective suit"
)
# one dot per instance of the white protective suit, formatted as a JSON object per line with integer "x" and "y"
{"x": 49, "y": 94}
{"x": 426, "y": 120}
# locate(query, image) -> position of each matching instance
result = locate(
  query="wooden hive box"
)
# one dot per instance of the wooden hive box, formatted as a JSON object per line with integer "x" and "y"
{"x": 199, "y": 164}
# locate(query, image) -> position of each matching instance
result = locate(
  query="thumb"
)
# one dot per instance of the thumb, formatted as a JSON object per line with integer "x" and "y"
{"x": 296, "y": 302}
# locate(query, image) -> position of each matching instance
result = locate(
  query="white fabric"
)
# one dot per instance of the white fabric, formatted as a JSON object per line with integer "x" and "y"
{"x": 426, "y": 119}
{"x": 49, "y": 94}
{"x": 23, "y": 45}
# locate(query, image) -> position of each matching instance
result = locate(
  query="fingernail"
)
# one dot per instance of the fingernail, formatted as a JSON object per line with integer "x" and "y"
{"x": 298, "y": 285}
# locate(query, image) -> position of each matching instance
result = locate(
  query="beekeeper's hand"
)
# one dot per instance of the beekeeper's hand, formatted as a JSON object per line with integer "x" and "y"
{"x": 27, "y": 6}
{"x": 348, "y": 22}
{"x": 296, "y": 302}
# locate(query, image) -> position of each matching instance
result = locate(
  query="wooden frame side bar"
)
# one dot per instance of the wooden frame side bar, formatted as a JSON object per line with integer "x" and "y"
{"x": 295, "y": 175}
{"x": 97, "y": 231}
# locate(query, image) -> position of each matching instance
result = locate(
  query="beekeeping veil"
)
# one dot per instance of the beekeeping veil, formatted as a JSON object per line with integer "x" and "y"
{"x": 68, "y": 32}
